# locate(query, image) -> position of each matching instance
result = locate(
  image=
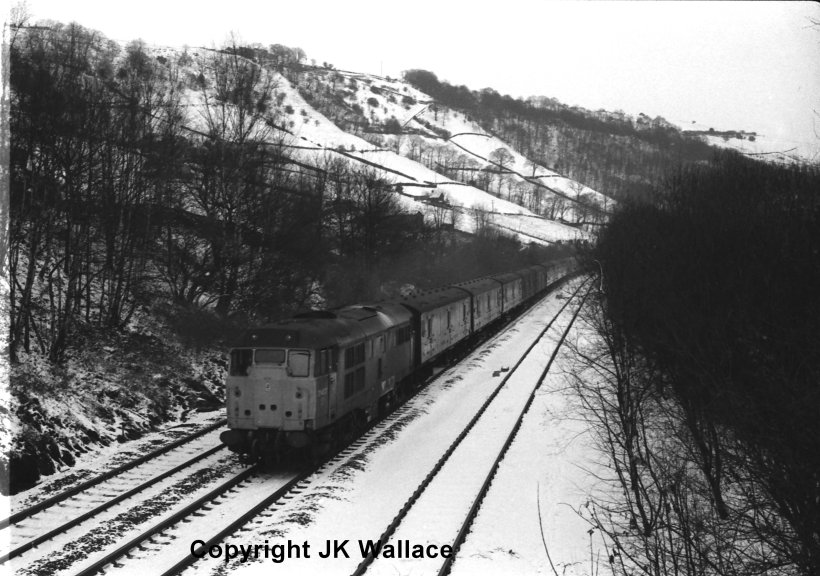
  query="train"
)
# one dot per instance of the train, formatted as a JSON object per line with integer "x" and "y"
{"x": 320, "y": 377}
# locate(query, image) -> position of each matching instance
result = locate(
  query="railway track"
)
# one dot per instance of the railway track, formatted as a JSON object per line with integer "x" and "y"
{"x": 51, "y": 522}
{"x": 146, "y": 552}
{"x": 29, "y": 511}
{"x": 447, "y": 487}
{"x": 162, "y": 560}
{"x": 261, "y": 518}
{"x": 253, "y": 496}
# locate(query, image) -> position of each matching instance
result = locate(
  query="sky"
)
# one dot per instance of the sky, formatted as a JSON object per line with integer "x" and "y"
{"x": 751, "y": 66}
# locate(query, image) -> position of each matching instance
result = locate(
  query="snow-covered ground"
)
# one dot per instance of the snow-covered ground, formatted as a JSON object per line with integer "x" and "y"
{"x": 551, "y": 464}
{"x": 466, "y": 135}
{"x": 313, "y": 128}
{"x": 6, "y": 420}
{"x": 771, "y": 149}
{"x": 104, "y": 458}
{"x": 356, "y": 497}
{"x": 157, "y": 554}
{"x": 761, "y": 146}
{"x": 81, "y": 542}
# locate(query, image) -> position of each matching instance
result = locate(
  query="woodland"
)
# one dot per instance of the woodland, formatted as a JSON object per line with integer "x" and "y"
{"x": 702, "y": 388}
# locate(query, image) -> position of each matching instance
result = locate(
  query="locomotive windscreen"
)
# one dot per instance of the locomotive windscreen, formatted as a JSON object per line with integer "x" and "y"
{"x": 270, "y": 356}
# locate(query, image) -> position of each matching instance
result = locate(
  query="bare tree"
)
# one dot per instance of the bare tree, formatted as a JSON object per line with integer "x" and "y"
{"x": 230, "y": 163}
{"x": 482, "y": 220}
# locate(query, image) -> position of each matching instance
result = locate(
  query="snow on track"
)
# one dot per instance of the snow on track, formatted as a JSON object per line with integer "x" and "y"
{"x": 67, "y": 552}
{"x": 553, "y": 454}
{"x": 104, "y": 459}
{"x": 34, "y": 528}
{"x": 160, "y": 553}
{"x": 442, "y": 508}
{"x": 355, "y": 498}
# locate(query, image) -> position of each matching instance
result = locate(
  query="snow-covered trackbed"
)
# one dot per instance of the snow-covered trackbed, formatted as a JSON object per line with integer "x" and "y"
{"x": 153, "y": 551}
{"x": 446, "y": 502}
{"x": 79, "y": 487}
{"x": 208, "y": 503}
{"x": 67, "y": 530}
{"x": 355, "y": 495}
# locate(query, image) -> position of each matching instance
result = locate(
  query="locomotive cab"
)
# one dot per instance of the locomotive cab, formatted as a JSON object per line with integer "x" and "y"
{"x": 273, "y": 389}
{"x": 301, "y": 381}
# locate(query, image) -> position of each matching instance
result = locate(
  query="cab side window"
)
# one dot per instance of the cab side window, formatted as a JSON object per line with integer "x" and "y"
{"x": 324, "y": 362}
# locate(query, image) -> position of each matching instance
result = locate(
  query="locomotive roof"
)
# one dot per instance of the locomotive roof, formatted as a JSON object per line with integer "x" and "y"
{"x": 432, "y": 299}
{"x": 392, "y": 313}
{"x": 375, "y": 318}
{"x": 326, "y": 328}
{"x": 309, "y": 332}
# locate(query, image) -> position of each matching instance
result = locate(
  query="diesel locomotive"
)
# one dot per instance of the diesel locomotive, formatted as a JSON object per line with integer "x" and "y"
{"x": 320, "y": 377}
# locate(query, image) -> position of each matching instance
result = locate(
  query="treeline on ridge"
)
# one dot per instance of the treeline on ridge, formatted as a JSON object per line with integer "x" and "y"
{"x": 615, "y": 155}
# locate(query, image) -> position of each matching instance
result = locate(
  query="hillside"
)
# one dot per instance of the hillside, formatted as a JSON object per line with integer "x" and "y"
{"x": 330, "y": 115}
{"x": 758, "y": 146}
{"x": 472, "y": 166}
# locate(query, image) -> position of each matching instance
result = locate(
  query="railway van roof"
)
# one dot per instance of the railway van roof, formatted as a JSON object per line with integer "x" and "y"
{"x": 534, "y": 268}
{"x": 479, "y": 286}
{"x": 506, "y": 278}
{"x": 544, "y": 267}
{"x": 432, "y": 299}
